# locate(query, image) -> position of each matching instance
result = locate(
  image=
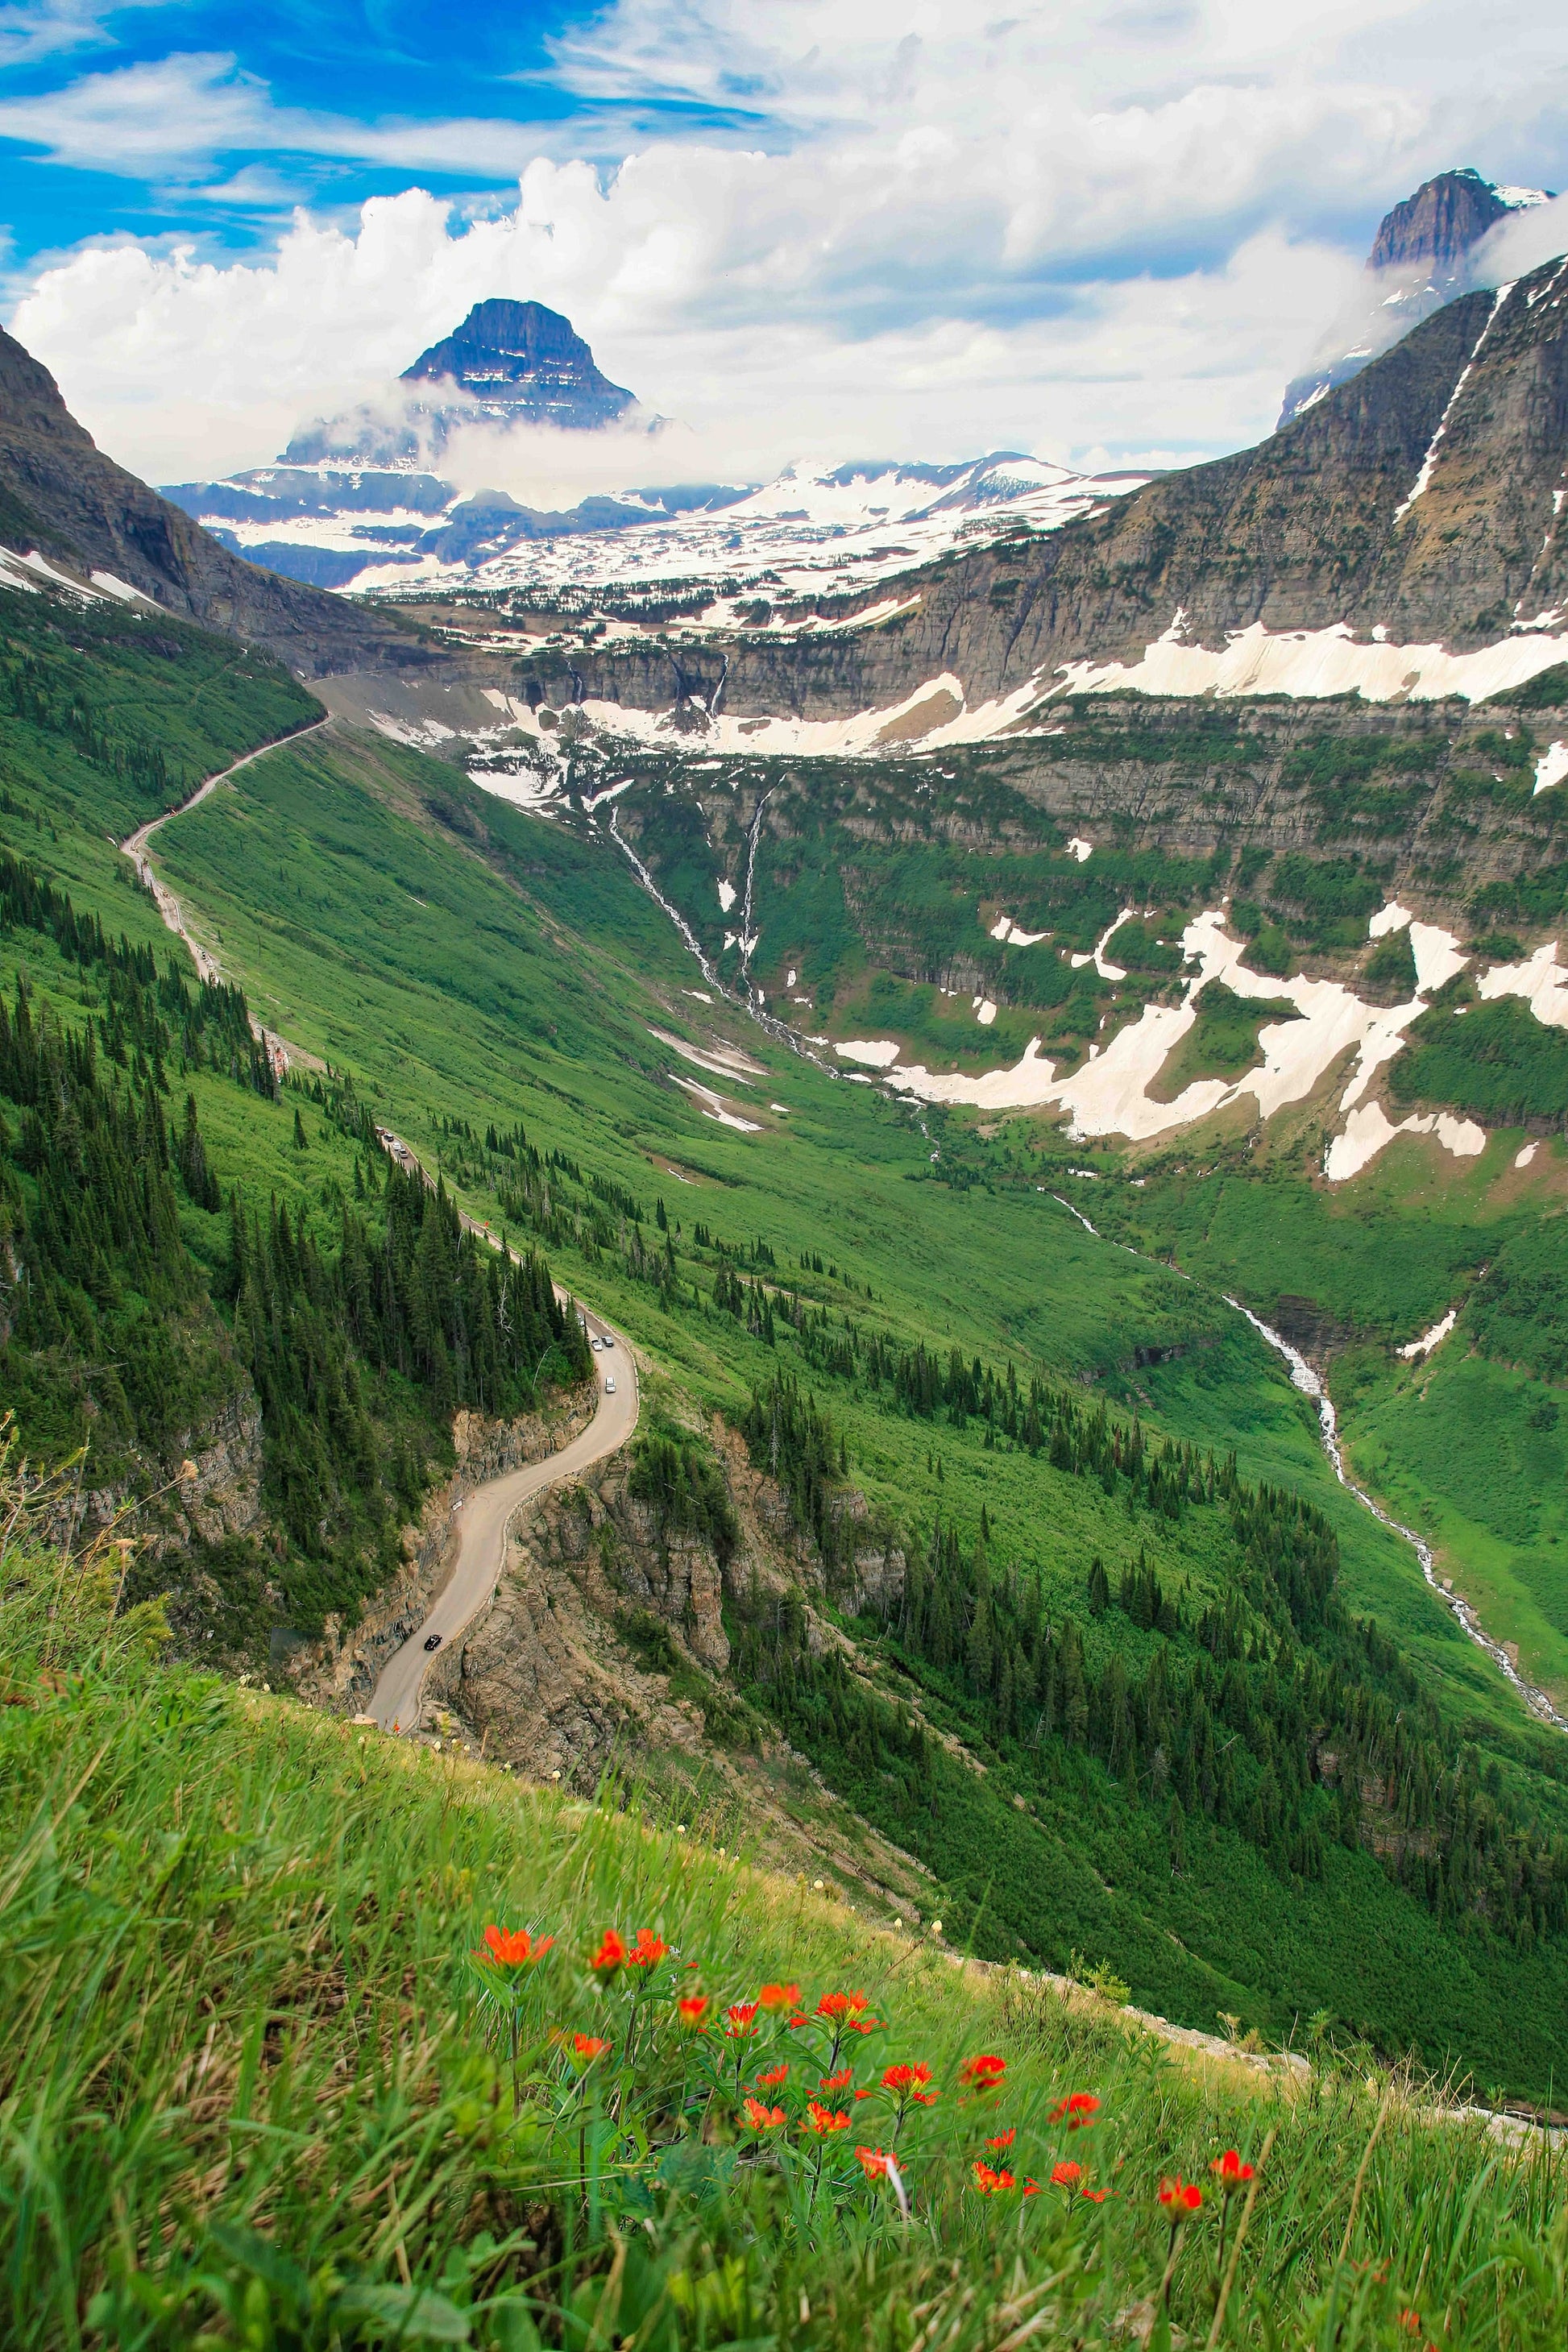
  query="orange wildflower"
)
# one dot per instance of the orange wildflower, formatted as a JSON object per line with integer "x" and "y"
{"x": 1066, "y": 2175}
{"x": 646, "y": 1951}
{"x": 691, "y": 2006}
{"x": 823, "y": 2120}
{"x": 779, "y": 1996}
{"x": 610, "y": 1956}
{"x": 1079, "y": 2110}
{"x": 839, "y": 2082}
{"x": 1003, "y": 2139}
{"x": 763, "y": 2118}
{"x": 982, "y": 2074}
{"x": 990, "y": 2182}
{"x": 588, "y": 2046}
{"x": 1181, "y": 2196}
{"x": 1229, "y": 2169}
{"x": 775, "y": 2076}
{"x": 875, "y": 2162}
{"x": 741, "y": 2017}
{"x": 513, "y": 1948}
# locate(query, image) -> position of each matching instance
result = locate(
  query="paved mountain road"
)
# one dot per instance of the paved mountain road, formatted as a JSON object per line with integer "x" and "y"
{"x": 484, "y": 1516}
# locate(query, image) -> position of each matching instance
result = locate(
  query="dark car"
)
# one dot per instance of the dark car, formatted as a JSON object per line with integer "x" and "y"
{"x": 434, "y": 1643}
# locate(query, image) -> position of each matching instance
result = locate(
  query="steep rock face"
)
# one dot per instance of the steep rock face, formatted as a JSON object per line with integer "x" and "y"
{"x": 1423, "y": 498}
{"x": 60, "y": 494}
{"x": 606, "y": 1639}
{"x": 1441, "y": 221}
{"x": 340, "y": 1672}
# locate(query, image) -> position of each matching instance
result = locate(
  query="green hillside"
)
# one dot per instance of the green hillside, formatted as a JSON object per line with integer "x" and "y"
{"x": 263, "y": 2084}
{"x": 1171, "y": 1699}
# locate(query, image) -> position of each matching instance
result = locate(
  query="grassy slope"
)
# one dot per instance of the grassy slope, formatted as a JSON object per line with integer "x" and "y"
{"x": 247, "y": 2089}
{"x": 340, "y": 882}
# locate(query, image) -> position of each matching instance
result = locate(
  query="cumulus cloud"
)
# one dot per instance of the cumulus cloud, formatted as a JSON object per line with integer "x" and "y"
{"x": 337, "y": 312}
{"x": 1110, "y": 229}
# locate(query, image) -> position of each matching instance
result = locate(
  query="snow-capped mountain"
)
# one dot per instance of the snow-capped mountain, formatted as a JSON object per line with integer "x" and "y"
{"x": 390, "y": 529}
{"x": 1419, "y": 260}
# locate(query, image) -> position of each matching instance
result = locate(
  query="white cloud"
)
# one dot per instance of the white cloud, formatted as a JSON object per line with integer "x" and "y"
{"x": 899, "y": 231}
{"x": 253, "y": 347}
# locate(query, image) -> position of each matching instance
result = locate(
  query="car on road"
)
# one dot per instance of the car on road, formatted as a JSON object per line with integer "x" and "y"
{"x": 434, "y": 1643}
{"x": 610, "y": 1385}
{"x": 596, "y": 1345}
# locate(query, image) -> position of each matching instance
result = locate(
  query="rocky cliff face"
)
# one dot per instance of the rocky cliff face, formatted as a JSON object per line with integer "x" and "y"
{"x": 60, "y": 495}
{"x": 606, "y": 1639}
{"x": 1425, "y": 499}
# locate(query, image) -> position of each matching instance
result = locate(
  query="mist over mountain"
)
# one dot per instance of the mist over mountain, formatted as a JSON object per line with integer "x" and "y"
{"x": 1418, "y": 262}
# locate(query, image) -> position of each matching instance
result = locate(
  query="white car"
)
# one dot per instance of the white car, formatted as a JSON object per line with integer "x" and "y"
{"x": 596, "y": 1345}
{"x": 610, "y": 1385}
{"x": 607, "y": 1341}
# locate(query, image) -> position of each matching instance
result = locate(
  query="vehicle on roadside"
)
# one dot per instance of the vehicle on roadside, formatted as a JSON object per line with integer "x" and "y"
{"x": 596, "y": 1345}
{"x": 610, "y": 1385}
{"x": 608, "y": 1342}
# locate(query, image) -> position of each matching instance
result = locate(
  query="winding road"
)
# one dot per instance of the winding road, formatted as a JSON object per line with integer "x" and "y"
{"x": 487, "y": 1511}
{"x": 485, "y": 1516}
{"x": 134, "y": 845}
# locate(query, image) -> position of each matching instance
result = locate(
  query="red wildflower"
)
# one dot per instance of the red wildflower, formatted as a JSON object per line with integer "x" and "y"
{"x": 774, "y": 2075}
{"x": 778, "y": 1996}
{"x": 1080, "y": 2108}
{"x": 1230, "y": 2170}
{"x": 741, "y": 2015}
{"x": 982, "y": 2074}
{"x": 1066, "y": 2175}
{"x": 1096, "y": 2196}
{"x": 1181, "y": 2196}
{"x": 691, "y": 2006}
{"x": 840, "y": 2005}
{"x": 513, "y": 1948}
{"x": 875, "y": 2162}
{"x": 1031, "y": 2187}
{"x": 864, "y": 2094}
{"x": 647, "y": 1950}
{"x": 1003, "y": 2139}
{"x": 763, "y": 2118}
{"x": 839, "y": 2082}
{"x": 823, "y": 2120}
{"x": 989, "y": 2182}
{"x": 610, "y": 1955}
{"x": 862, "y": 2024}
{"x": 588, "y": 2046}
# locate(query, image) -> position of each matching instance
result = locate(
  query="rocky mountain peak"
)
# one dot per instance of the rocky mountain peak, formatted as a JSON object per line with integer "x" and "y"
{"x": 1442, "y": 220}
{"x": 521, "y": 362}
{"x": 1419, "y": 261}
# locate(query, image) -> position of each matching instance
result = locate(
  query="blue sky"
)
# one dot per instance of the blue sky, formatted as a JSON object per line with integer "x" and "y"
{"x": 1106, "y": 231}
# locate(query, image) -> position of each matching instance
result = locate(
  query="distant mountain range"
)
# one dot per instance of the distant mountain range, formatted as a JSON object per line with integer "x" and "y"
{"x": 1418, "y": 262}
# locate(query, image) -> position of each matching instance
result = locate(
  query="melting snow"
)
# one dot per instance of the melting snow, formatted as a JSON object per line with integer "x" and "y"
{"x": 1314, "y": 663}
{"x": 726, "y": 897}
{"x": 1081, "y": 849}
{"x": 985, "y": 1013}
{"x": 1430, "y": 1339}
{"x": 1523, "y": 1159}
{"x": 1540, "y": 981}
{"x": 881, "y": 1052}
{"x": 1552, "y": 767}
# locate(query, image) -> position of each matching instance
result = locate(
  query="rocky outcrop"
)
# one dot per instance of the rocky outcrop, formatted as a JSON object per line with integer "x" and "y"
{"x": 605, "y": 1640}
{"x": 223, "y": 1497}
{"x": 60, "y": 495}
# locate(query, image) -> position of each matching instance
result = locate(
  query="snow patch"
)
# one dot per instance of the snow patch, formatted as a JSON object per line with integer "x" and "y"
{"x": 1523, "y": 1159}
{"x": 1552, "y": 767}
{"x": 1368, "y": 1131}
{"x": 1541, "y": 980}
{"x": 880, "y": 1053}
{"x": 1081, "y": 849}
{"x": 726, "y": 897}
{"x": 1430, "y": 1339}
{"x": 1313, "y": 664}
{"x": 985, "y": 1013}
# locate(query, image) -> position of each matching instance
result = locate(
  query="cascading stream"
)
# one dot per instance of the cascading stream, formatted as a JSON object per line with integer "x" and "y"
{"x": 1304, "y": 1377}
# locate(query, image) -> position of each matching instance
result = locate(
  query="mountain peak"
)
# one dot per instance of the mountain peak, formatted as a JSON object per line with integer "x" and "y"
{"x": 522, "y": 363}
{"x": 1418, "y": 263}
